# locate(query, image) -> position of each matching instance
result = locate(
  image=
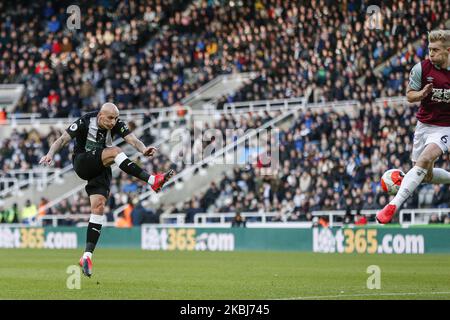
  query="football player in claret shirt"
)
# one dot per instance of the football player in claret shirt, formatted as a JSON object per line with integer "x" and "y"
{"x": 93, "y": 156}
{"x": 429, "y": 84}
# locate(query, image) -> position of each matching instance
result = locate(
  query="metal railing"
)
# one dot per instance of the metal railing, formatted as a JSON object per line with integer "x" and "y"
{"x": 393, "y": 100}
{"x": 55, "y": 219}
{"x": 35, "y": 118}
{"x": 202, "y": 218}
{"x": 10, "y": 95}
{"x": 206, "y": 218}
{"x": 218, "y": 79}
{"x": 252, "y": 217}
{"x": 178, "y": 218}
{"x": 406, "y": 216}
{"x": 40, "y": 177}
{"x": 264, "y": 217}
{"x": 332, "y": 214}
{"x": 267, "y": 105}
{"x": 413, "y": 214}
{"x": 284, "y": 105}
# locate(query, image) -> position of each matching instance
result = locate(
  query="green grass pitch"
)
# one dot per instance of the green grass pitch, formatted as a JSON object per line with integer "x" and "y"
{"x": 136, "y": 274}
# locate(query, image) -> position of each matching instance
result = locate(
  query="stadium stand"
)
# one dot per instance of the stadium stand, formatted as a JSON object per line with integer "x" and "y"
{"x": 115, "y": 57}
{"x": 68, "y": 72}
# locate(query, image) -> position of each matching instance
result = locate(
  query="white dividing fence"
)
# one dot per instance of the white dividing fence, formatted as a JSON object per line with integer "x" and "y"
{"x": 407, "y": 217}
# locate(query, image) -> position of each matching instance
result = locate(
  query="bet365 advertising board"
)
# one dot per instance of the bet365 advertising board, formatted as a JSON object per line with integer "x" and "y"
{"x": 153, "y": 237}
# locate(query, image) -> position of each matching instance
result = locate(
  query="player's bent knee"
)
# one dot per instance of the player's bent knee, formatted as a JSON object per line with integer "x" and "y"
{"x": 428, "y": 177}
{"x": 422, "y": 164}
{"x": 431, "y": 153}
{"x": 98, "y": 207}
{"x": 109, "y": 154}
{"x": 425, "y": 161}
{"x": 114, "y": 151}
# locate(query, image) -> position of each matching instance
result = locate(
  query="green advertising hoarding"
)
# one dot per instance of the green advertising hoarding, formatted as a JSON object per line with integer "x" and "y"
{"x": 65, "y": 237}
{"x": 154, "y": 237}
{"x": 225, "y": 239}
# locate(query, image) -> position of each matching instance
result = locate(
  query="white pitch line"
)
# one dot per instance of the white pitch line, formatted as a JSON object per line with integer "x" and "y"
{"x": 368, "y": 295}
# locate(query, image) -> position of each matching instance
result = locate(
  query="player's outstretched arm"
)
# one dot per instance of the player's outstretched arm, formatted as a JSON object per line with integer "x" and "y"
{"x": 55, "y": 147}
{"x": 139, "y": 145}
{"x": 417, "y": 96}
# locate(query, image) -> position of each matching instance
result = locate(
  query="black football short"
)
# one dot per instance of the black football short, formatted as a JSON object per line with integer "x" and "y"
{"x": 89, "y": 166}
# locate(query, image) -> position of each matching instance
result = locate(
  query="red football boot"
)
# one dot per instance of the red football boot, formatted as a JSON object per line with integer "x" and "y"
{"x": 86, "y": 266}
{"x": 386, "y": 214}
{"x": 161, "y": 179}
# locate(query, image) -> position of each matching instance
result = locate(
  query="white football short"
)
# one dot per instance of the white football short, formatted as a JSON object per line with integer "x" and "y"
{"x": 426, "y": 134}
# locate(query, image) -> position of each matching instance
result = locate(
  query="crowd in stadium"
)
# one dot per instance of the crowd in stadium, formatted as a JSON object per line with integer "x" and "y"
{"x": 143, "y": 54}
{"x": 148, "y": 54}
{"x": 70, "y": 71}
{"x": 23, "y": 149}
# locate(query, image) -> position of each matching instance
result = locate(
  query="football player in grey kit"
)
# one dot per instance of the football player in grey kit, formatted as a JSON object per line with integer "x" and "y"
{"x": 429, "y": 84}
{"x": 93, "y": 156}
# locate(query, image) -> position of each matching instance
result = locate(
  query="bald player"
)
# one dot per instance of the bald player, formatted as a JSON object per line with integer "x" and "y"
{"x": 429, "y": 84}
{"x": 93, "y": 156}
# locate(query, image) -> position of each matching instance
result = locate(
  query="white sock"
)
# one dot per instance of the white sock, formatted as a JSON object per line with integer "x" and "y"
{"x": 410, "y": 182}
{"x": 151, "y": 180}
{"x": 440, "y": 176}
{"x": 121, "y": 157}
{"x": 96, "y": 218}
{"x": 87, "y": 254}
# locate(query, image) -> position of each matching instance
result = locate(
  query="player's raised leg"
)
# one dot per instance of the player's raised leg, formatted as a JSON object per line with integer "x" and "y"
{"x": 115, "y": 155}
{"x": 411, "y": 181}
{"x": 93, "y": 231}
{"x": 438, "y": 176}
